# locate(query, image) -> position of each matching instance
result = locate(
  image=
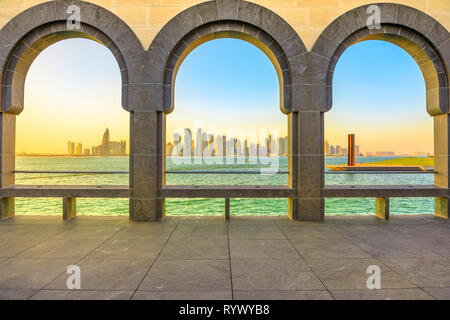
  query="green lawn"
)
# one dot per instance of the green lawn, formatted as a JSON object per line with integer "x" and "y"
{"x": 411, "y": 161}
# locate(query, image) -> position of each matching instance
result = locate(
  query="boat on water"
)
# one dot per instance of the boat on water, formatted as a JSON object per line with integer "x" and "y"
{"x": 371, "y": 167}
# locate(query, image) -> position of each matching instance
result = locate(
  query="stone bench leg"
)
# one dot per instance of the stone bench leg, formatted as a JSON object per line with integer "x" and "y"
{"x": 227, "y": 209}
{"x": 69, "y": 208}
{"x": 441, "y": 207}
{"x": 382, "y": 208}
{"x": 7, "y": 209}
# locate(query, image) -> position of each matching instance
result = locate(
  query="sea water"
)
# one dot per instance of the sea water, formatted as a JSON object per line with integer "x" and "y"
{"x": 95, "y": 206}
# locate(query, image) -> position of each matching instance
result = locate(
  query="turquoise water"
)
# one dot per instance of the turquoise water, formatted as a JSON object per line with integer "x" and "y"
{"x": 204, "y": 206}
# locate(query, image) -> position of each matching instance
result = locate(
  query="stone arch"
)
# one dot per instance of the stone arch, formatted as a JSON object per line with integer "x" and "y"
{"x": 223, "y": 19}
{"x": 425, "y": 39}
{"x": 36, "y": 28}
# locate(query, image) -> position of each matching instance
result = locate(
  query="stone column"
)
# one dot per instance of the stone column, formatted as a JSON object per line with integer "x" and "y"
{"x": 441, "y": 162}
{"x": 145, "y": 128}
{"x": 306, "y": 128}
{"x": 7, "y": 167}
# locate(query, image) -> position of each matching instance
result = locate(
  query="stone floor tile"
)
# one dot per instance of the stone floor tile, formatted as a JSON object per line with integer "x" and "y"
{"x": 96, "y": 274}
{"x": 62, "y": 248}
{"x": 339, "y": 274}
{"x": 262, "y": 249}
{"x": 190, "y": 275}
{"x": 81, "y": 295}
{"x": 128, "y": 249}
{"x": 280, "y": 274}
{"x": 328, "y": 249}
{"x": 182, "y": 295}
{"x": 31, "y": 273}
{"x": 382, "y": 294}
{"x": 424, "y": 272}
{"x": 190, "y": 249}
{"x": 282, "y": 295}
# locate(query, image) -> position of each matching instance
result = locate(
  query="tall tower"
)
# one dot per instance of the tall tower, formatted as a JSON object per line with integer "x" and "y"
{"x": 351, "y": 150}
{"x": 105, "y": 140}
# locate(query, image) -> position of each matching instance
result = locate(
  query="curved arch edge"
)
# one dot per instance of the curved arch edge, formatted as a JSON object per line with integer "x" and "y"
{"x": 50, "y": 19}
{"x": 398, "y": 21}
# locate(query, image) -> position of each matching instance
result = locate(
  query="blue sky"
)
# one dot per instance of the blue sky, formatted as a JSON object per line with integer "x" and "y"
{"x": 74, "y": 87}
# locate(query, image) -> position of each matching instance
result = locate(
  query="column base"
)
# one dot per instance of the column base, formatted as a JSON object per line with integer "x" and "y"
{"x": 7, "y": 209}
{"x": 306, "y": 209}
{"x": 147, "y": 210}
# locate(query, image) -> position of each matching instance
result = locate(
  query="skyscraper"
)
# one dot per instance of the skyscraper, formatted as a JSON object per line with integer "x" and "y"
{"x": 71, "y": 148}
{"x": 79, "y": 149}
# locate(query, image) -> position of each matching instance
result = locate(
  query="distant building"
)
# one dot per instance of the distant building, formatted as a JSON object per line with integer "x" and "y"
{"x": 420, "y": 154}
{"x": 71, "y": 148}
{"x": 385, "y": 153}
{"x": 169, "y": 148}
{"x": 357, "y": 153}
{"x": 338, "y": 150}
{"x": 110, "y": 148}
{"x": 87, "y": 152}
{"x": 326, "y": 147}
{"x": 79, "y": 149}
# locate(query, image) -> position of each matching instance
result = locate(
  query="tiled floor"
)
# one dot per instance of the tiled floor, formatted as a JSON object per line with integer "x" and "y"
{"x": 208, "y": 258}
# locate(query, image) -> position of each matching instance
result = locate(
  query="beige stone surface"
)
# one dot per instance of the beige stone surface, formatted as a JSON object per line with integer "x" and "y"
{"x": 308, "y": 17}
{"x": 191, "y": 265}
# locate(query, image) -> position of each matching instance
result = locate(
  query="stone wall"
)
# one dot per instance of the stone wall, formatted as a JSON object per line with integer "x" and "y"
{"x": 308, "y": 17}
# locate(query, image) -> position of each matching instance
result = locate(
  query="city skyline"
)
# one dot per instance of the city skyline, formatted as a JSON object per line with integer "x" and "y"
{"x": 105, "y": 148}
{"x": 228, "y": 75}
{"x": 200, "y": 143}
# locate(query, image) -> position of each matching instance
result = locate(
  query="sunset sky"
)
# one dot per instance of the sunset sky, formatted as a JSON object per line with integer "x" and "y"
{"x": 73, "y": 92}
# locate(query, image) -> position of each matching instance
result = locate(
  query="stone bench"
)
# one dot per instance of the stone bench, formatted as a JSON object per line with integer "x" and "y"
{"x": 383, "y": 193}
{"x": 68, "y": 193}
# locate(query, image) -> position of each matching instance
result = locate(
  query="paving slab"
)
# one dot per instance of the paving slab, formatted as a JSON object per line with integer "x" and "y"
{"x": 62, "y": 248}
{"x": 141, "y": 231}
{"x": 342, "y": 274}
{"x": 182, "y": 295}
{"x": 190, "y": 249}
{"x": 282, "y": 295}
{"x": 250, "y": 232}
{"x": 273, "y": 274}
{"x": 382, "y": 294}
{"x": 31, "y": 273}
{"x": 89, "y": 232}
{"x": 200, "y": 231}
{"x": 325, "y": 249}
{"x": 312, "y": 232}
{"x": 262, "y": 249}
{"x": 424, "y": 272}
{"x": 394, "y": 247}
{"x": 191, "y": 275}
{"x": 99, "y": 274}
{"x": 81, "y": 295}
{"x": 128, "y": 249}
{"x": 16, "y": 294}
{"x": 439, "y": 293}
